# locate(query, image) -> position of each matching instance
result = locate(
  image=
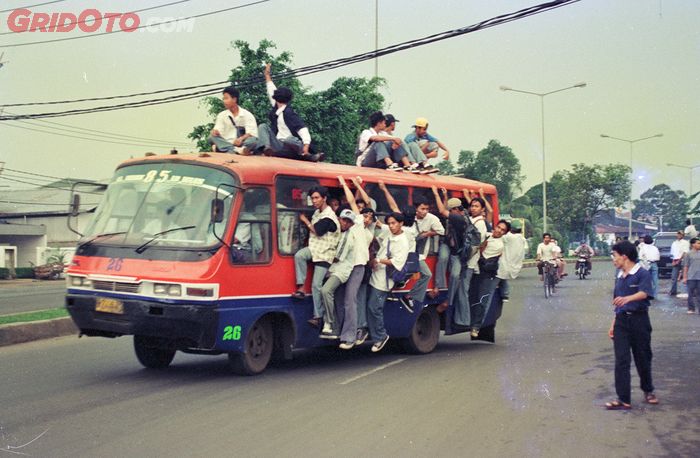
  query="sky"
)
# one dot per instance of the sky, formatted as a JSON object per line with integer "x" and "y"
{"x": 640, "y": 60}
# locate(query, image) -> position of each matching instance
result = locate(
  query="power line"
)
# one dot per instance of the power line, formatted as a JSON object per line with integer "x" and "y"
{"x": 83, "y": 138}
{"x": 156, "y": 143}
{"x": 42, "y": 204}
{"x": 324, "y": 66}
{"x": 32, "y": 6}
{"x": 39, "y": 174}
{"x": 106, "y": 16}
{"x": 48, "y": 186}
{"x": 135, "y": 28}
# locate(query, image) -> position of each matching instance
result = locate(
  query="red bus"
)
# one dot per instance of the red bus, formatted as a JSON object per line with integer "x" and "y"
{"x": 158, "y": 260}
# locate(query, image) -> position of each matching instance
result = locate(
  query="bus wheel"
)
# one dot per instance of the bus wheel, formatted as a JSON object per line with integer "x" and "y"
{"x": 151, "y": 355}
{"x": 425, "y": 332}
{"x": 257, "y": 352}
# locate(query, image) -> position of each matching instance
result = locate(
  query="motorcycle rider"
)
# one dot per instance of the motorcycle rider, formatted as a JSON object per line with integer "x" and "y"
{"x": 586, "y": 252}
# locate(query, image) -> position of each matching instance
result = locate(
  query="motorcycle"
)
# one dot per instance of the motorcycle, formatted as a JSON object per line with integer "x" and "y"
{"x": 582, "y": 267}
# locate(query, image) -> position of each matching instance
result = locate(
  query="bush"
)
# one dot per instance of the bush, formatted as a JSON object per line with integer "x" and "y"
{"x": 20, "y": 272}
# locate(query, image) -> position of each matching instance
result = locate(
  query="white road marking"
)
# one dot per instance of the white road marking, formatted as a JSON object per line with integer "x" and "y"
{"x": 376, "y": 369}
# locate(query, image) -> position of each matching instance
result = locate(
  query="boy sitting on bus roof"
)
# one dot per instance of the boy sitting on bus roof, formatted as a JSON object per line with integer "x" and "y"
{"x": 421, "y": 142}
{"x": 235, "y": 128}
{"x": 379, "y": 150}
{"x": 286, "y": 135}
{"x": 416, "y": 157}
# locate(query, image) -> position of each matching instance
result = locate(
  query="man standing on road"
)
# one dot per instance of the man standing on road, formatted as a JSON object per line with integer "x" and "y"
{"x": 691, "y": 275}
{"x": 648, "y": 257}
{"x": 678, "y": 249}
{"x": 631, "y": 328}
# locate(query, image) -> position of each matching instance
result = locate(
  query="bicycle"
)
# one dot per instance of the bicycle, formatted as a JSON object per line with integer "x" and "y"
{"x": 549, "y": 271}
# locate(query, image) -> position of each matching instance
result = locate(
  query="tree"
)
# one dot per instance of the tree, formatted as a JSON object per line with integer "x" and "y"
{"x": 494, "y": 164}
{"x": 662, "y": 202}
{"x": 575, "y": 197}
{"x": 334, "y": 116}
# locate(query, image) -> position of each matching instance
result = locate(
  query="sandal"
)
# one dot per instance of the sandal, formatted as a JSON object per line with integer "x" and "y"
{"x": 651, "y": 398}
{"x": 300, "y": 295}
{"x": 617, "y": 405}
{"x": 315, "y": 322}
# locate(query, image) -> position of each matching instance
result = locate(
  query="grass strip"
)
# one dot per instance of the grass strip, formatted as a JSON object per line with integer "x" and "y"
{"x": 39, "y": 315}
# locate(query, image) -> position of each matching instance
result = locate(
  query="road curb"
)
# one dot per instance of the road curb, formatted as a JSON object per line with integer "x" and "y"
{"x": 15, "y": 333}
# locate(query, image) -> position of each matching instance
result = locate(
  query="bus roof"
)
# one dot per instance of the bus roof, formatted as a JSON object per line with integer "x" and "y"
{"x": 262, "y": 170}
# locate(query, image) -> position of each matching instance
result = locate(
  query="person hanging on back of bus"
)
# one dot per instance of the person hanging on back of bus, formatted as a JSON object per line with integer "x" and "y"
{"x": 488, "y": 210}
{"x": 235, "y": 129}
{"x": 421, "y": 143}
{"x": 286, "y": 135}
{"x": 378, "y": 150}
{"x": 393, "y": 252}
{"x": 443, "y": 250}
{"x": 324, "y": 234}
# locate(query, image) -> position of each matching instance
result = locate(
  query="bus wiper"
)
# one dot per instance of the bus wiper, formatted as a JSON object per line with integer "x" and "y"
{"x": 99, "y": 236}
{"x": 140, "y": 249}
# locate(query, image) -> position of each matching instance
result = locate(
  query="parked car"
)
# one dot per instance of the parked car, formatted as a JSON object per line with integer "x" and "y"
{"x": 663, "y": 241}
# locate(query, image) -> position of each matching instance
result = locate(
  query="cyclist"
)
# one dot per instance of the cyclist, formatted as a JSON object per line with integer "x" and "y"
{"x": 545, "y": 253}
{"x": 586, "y": 252}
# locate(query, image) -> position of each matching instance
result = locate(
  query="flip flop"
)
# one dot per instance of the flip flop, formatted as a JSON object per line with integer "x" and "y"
{"x": 651, "y": 398}
{"x": 617, "y": 405}
{"x": 300, "y": 295}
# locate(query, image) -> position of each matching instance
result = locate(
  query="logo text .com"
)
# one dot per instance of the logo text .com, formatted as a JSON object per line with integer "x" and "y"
{"x": 91, "y": 21}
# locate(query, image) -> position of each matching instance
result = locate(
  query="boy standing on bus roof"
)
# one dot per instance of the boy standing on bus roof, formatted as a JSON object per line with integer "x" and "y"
{"x": 420, "y": 142}
{"x": 286, "y": 135}
{"x": 323, "y": 241}
{"x": 235, "y": 128}
{"x": 377, "y": 149}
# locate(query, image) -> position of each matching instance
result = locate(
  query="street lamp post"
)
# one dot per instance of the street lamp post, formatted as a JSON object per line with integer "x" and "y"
{"x": 690, "y": 169}
{"x": 631, "y": 143}
{"x": 542, "y": 95}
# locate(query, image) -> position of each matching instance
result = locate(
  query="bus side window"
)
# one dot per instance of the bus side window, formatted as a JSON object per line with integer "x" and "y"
{"x": 292, "y": 198}
{"x": 253, "y": 235}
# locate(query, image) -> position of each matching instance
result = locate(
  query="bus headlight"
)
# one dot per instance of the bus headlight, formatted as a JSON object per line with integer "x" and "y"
{"x": 166, "y": 289}
{"x": 80, "y": 281}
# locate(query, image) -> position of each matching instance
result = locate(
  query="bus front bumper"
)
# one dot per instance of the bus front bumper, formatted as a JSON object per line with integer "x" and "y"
{"x": 184, "y": 325}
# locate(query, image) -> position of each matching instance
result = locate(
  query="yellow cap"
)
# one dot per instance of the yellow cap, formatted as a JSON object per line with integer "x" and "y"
{"x": 421, "y": 122}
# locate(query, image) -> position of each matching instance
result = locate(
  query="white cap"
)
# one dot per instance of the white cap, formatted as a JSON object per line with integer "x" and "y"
{"x": 348, "y": 214}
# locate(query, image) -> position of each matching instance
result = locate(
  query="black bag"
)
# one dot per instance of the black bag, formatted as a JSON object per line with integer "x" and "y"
{"x": 489, "y": 266}
{"x": 402, "y": 276}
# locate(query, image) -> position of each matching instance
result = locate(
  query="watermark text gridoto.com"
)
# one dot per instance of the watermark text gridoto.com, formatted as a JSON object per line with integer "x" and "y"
{"x": 92, "y": 21}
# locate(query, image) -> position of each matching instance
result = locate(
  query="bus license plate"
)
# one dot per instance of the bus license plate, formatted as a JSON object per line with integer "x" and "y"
{"x": 106, "y": 305}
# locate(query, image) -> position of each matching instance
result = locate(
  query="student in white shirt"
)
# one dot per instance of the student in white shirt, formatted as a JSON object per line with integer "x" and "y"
{"x": 393, "y": 252}
{"x": 511, "y": 262}
{"x": 379, "y": 150}
{"x": 235, "y": 129}
{"x": 285, "y": 135}
{"x": 648, "y": 257}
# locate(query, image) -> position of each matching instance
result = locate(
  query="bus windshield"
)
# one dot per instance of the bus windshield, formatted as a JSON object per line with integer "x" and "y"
{"x": 156, "y": 198}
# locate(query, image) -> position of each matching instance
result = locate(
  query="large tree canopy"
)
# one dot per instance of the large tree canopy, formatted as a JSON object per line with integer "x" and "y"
{"x": 662, "y": 202}
{"x": 334, "y": 116}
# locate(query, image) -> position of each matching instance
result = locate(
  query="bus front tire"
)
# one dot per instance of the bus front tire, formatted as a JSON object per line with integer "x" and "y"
{"x": 259, "y": 343}
{"x": 151, "y": 355}
{"x": 425, "y": 332}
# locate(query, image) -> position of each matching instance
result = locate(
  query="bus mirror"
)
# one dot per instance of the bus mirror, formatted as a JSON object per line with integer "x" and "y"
{"x": 217, "y": 211}
{"x": 75, "y": 205}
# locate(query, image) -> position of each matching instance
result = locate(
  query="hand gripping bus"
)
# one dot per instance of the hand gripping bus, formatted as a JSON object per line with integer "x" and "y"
{"x": 196, "y": 253}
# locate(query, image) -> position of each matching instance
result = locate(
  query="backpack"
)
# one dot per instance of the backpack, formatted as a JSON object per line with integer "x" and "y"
{"x": 471, "y": 240}
{"x": 401, "y": 277}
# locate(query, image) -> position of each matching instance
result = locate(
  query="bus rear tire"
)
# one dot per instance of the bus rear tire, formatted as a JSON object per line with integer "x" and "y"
{"x": 151, "y": 355}
{"x": 259, "y": 343}
{"x": 425, "y": 332}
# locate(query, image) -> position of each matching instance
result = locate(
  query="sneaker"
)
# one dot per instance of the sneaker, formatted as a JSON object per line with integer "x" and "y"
{"x": 380, "y": 344}
{"x": 327, "y": 332}
{"x": 427, "y": 169}
{"x": 361, "y": 336}
{"x": 346, "y": 345}
{"x": 682, "y": 296}
{"x": 505, "y": 299}
{"x": 413, "y": 168}
{"x": 690, "y": 312}
{"x": 407, "y": 302}
{"x": 395, "y": 168}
